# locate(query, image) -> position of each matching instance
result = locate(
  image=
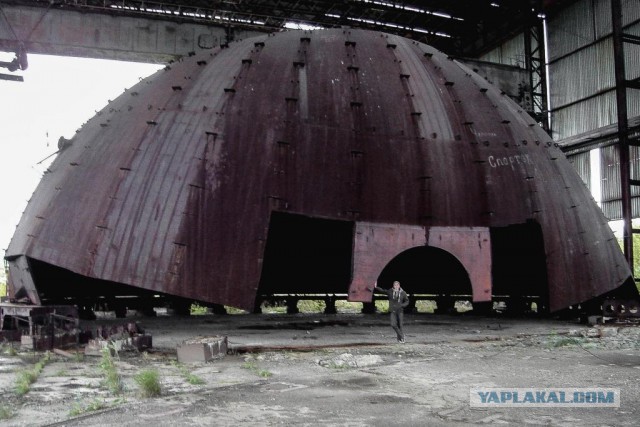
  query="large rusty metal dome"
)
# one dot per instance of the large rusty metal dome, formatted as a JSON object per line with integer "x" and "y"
{"x": 314, "y": 162}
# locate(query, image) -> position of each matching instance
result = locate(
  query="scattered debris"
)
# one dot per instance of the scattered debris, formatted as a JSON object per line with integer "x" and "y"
{"x": 63, "y": 353}
{"x": 348, "y": 360}
{"x": 241, "y": 349}
{"x": 202, "y": 349}
{"x": 40, "y": 327}
{"x": 129, "y": 337}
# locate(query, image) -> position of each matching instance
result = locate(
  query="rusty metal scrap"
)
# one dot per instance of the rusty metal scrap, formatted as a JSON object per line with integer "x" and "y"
{"x": 263, "y": 167}
{"x": 40, "y": 327}
{"x": 121, "y": 337}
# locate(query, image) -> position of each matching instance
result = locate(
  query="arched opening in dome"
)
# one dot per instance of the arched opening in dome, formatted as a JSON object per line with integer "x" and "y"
{"x": 427, "y": 270}
{"x": 306, "y": 255}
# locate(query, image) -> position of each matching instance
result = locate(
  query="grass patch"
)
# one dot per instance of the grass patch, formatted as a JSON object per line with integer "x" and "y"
{"x": 557, "y": 341}
{"x": 382, "y": 305}
{"x": 425, "y": 306}
{"x": 273, "y": 307}
{"x": 112, "y": 379}
{"x": 27, "y": 377}
{"x": 234, "y": 310}
{"x": 253, "y": 367}
{"x": 149, "y": 383}
{"x": 563, "y": 342}
{"x": 6, "y": 412}
{"x": 197, "y": 309}
{"x": 94, "y": 405}
{"x": 343, "y": 306}
{"x": 338, "y": 366}
{"x": 188, "y": 376}
{"x": 264, "y": 373}
{"x": 311, "y": 306}
{"x": 194, "y": 379}
{"x": 8, "y": 349}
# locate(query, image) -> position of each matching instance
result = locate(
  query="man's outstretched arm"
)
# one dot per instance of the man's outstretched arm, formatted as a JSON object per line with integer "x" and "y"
{"x": 376, "y": 288}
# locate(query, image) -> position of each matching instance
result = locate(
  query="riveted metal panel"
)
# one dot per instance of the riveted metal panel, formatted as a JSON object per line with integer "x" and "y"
{"x": 171, "y": 187}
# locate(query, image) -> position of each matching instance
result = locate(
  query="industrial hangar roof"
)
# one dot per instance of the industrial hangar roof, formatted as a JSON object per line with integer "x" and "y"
{"x": 457, "y": 27}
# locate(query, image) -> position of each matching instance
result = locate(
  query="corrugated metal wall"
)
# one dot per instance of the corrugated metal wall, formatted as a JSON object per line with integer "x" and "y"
{"x": 591, "y": 114}
{"x": 582, "y": 163}
{"x": 581, "y": 67}
{"x": 510, "y": 53}
{"x": 610, "y": 172}
{"x": 582, "y": 86}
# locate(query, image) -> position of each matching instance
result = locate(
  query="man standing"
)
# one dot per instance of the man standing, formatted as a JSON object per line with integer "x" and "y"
{"x": 398, "y": 300}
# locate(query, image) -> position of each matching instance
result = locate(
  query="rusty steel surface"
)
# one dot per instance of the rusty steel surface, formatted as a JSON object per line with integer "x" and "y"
{"x": 471, "y": 246}
{"x": 170, "y": 188}
{"x": 375, "y": 245}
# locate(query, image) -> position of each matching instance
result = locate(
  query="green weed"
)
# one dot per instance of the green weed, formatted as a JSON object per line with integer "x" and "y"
{"x": 8, "y": 349}
{"x": 233, "y": 310}
{"x": 311, "y": 306}
{"x": 338, "y": 366}
{"x": 382, "y": 306}
{"x": 249, "y": 365}
{"x": 197, "y": 309}
{"x": 27, "y": 377}
{"x": 264, "y": 373}
{"x": 253, "y": 367}
{"x": 109, "y": 369}
{"x": 191, "y": 378}
{"x": 194, "y": 379}
{"x": 425, "y": 306}
{"x": 94, "y": 405}
{"x": 343, "y": 306}
{"x": 149, "y": 383}
{"x": 6, "y": 412}
{"x": 558, "y": 341}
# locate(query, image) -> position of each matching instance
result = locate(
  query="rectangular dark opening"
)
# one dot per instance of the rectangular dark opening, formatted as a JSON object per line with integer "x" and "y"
{"x": 306, "y": 255}
{"x": 519, "y": 266}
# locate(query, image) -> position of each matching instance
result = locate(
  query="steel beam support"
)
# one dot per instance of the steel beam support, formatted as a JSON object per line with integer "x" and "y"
{"x": 535, "y": 66}
{"x": 98, "y": 34}
{"x": 623, "y": 128}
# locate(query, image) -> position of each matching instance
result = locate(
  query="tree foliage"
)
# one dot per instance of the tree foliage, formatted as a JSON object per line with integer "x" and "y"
{"x": 3, "y": 283}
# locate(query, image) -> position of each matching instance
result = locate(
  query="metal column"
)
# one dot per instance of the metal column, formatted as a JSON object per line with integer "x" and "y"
{"x": 622, "y": 84}
{"x": 535, "y": 64}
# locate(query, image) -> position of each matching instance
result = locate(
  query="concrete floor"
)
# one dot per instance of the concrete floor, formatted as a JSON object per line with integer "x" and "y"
{"x": 343, "y": 369}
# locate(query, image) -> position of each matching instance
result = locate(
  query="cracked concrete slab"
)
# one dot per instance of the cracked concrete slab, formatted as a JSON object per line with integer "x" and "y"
{"x": 340, "y": 381}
